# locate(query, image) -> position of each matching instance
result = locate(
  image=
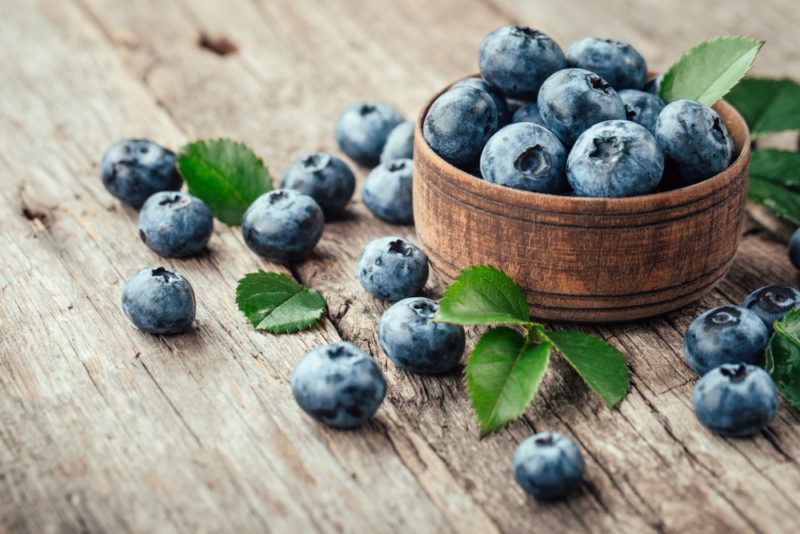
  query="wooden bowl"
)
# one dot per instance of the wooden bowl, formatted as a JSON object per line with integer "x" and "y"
{"x": 585, "y": 259}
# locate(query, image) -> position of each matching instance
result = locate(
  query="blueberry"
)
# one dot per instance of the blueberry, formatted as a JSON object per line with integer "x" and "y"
{"x": 503, "y": 114}
{"x": 391, "y": 268}
{"x": 735, "y": 400}
{"x": 411, "y": 339}
{"x": 548, "y": 465}
{"x": 387, "y": 191}
{"x": 615, "y": 159}
{"x": 728, "y": 334}
{"x": 528, "y": 113}
{"x": 158, "y": 301}
{"x": 525, "y": 156}
{"x": 458, "y": 124}
{"x": 771, "y": 303}
{"x": 794, "y": 249}
{"x": 618, "y": 63}
{"x": 517, "y": 59}
{"x": 572, "y": 100}
{"x": 323, "y": 177}
{"x": 363, "y": 128}
{"x": 642, "y": 108}
{"x": 694, "y": 140}
{"x": 400, "y": 143}
{"x": 338, "y": 385}
{"x": 653, "y": 85}
{"x": 134, "y": 169}
{"x": 175, "y": 224}
{"x": 283, "y": 225}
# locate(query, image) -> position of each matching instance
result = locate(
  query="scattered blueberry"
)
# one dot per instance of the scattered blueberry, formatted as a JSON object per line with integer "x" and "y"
{"x": 411, "y": 339}
{"x": 735, "y": 400}
{"x": 400, "y": 143}
{"x": 615, "y": 159}
{"x": 158, "y": 301}
{"x": 517, "y": 59}
{"x": 694, "y": 140}
{"x": 283, "y": 225}
{"x": 175, "y": 224}
{"x": 503, "y": 114}
{"x": 618, "y": 63}
{"x": 525, "y": 156}
{"x": 362, "y": 130}
{"x": 387, "y": 191}
{"x": 642, "y": 108}
{"x": 728, "y": 334}
{"x": 528, "y": 113}
{"x": 572, "y": 100}
{"x": 134, "y": 169}
{"x": 338, "y": 385}
{"x": 794, "y": 249}
{"x": 548, "y": 465}
{"x": 391, "y": 268}
{"x": 771, "y": 303}
{"x": 653, "y": 85}
{"x": 323, "y": 177}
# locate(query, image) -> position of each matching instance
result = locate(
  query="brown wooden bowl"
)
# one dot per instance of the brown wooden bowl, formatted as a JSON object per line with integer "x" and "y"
{"x": 585, "y": 259}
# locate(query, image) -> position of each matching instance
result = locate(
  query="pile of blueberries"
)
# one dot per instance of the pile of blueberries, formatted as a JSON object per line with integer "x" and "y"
{"x": 586, "y": 122}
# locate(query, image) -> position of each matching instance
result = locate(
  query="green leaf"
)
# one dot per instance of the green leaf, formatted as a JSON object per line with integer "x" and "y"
{"x": 707, "y": 72}
{"x": 224, "y": 174}
{"x": 780, "y": 200}
{"x": 503, "y": 374}
{"x": 783, "y": 357}
{"x": 767, "y": 104}
{"x": 483, "y": 295}
{"x": 276, "y": 303}
{"x": 600, "y": 365}
{"x": 780, "y": 166}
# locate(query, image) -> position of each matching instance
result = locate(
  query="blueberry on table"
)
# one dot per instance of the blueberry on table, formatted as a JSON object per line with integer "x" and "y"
{"x": 411, "y": 339}
{"x": 387, "y": 191}
{"x": 525, "y": 156}
{"x": 642, "y": 108}
{"x": 175, "y": 224}
{"x": 158, "y": 301}
{"x": 794, "y": 249}
{"x": 694, "y": 140}
{"x": 400, "y": 143}
{"x": 735, "y": 400}
{"x": 391, "y": 268}
{"x": 338, "y": 385}
{"x": 134, "y": 169}
{"x": 528, "y": 113}
{"x": 503, "y": 114}
{"x": 618, "y": 63}
{"x": 283, "y": 225}
{"x": 772, "y": 303}
{"x": 728, "y": 334}
{"x": 615, "y": 159}
{"x": 517, "y": 59}
{"x": 548, "y": 465}
{"x": 363, "y": 128}
{"x": 325, "y": 178}
{"x": 572, "y": 100}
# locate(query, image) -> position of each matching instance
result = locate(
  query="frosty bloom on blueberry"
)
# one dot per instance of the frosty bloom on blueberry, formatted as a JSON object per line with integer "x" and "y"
{"x": 363, "y": 128}
{"x": 159, "y": 301}
{"x": 642, "y": 108}
{"x": 548, "y": 465}
{"x": 528, "y": 113}
{"x": 323, "y": 177}
{"x": 772, "y": 303}
{"x": 617, "y": 62}
{"x": 400, "y": 143}
{"x": 387, "y": 191}
{"x": 503, "y": 114}
{"x": 134, "y": 169}
{"x": 391, "y": 268}
{"x": 175, "y": 224}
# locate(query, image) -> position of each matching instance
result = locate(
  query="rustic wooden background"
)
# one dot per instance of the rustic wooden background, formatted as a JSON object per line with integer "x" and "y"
{"x": 104, "y": 428}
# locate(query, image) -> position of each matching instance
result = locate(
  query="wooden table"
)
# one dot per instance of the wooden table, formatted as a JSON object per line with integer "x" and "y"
{"x": 104, "y": 428}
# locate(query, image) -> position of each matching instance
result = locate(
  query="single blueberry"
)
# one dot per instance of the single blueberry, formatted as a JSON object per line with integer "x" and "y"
{"x": 458, "y": 124}
{"x": 694, "y": 140}
{"x": 615, "y": 159}
{"x": 175, "y": 224}
{"x": 283, "y": 225}
{"x": 772, "y": 303}
{"x": 387, "y": 191}
{"x": 618, "y": 63}
{"x": 400, "y": 143}
{"x": 503, "y": 114}
{"x": 572, "y": 100}
{"x": 158, "y": 301}
{"x": 338, "y": 385}
{"x": 411, "y": 339}
{"x": 323, "y": 177}
{"x": 735, "y": 400}
{"x": 391, "y": 268}
{"x": 548, "y": 465}
{"x": 134, "y": 169}
{"x": 363, "y": 128}
{"x": 653, "y": 85}
{"x": 517, "y": 59}
{"x": 528, "y": 113}
{"x": 794, "y": 249}
{"x": 728, "y": 334}
{"x": 525, "y": 156}
{"x": 642, "y": 108}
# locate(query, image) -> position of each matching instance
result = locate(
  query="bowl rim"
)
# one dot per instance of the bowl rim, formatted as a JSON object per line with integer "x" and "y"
{"x": 653, "y": 202}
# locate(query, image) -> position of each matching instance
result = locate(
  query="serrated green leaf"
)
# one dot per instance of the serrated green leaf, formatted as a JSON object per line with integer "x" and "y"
{"x": 781, "y": 200}
{"x": 707, "y": 71}
{"x": 780, "y": 166}
{"x": 276, "y": 303}
{"x": 224, "y": 174}
{"x": 783, "y": 357}
{"x": 483, "y": 295}
{"x": 767, "y": 104}
{"x": 503, "y": 374}
{"x": 600, "y": 365}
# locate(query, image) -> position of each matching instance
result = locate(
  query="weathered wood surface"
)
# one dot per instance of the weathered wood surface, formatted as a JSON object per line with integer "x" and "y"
{"x": 103, "y": 428}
